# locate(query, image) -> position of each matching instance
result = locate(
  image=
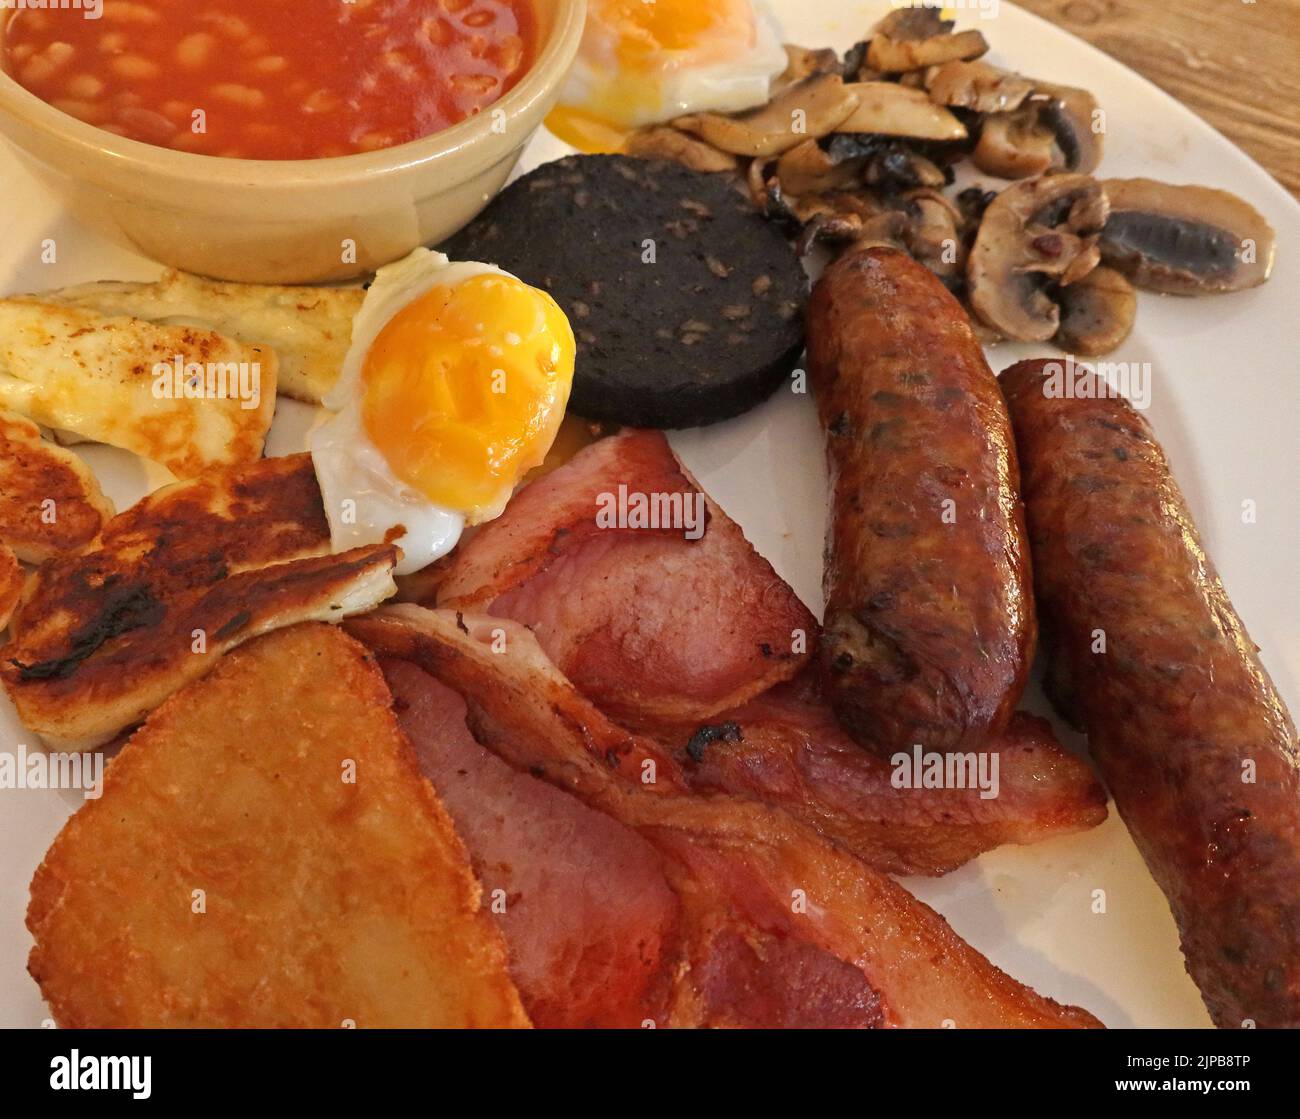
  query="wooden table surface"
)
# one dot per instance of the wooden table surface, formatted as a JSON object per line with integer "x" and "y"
{"x": 1234, "y": 62}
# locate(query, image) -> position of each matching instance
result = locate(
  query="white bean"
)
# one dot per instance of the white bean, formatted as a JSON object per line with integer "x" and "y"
{"x": 194, "y": 50}
{"x": 237, "y": 94}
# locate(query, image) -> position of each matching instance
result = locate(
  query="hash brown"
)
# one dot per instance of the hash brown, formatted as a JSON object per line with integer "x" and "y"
{"x": 324, "y": 901}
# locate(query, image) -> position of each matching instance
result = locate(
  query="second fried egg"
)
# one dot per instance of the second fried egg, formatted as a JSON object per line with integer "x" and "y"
{"x": 644, "y": 62}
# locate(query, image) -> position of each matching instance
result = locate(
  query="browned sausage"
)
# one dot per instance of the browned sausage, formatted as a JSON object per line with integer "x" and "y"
{"x": 930, "y": 625}
{"x": 1197, "y": 747}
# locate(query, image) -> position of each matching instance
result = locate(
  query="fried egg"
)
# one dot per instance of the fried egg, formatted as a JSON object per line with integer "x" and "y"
{"x": 644, "y": 62}
{"x": 453, "y": 388}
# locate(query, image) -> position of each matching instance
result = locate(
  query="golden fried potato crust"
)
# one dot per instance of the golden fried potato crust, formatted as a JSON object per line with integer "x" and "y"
{"x": 50, "y": 502}
{"x": 233, "y": 875}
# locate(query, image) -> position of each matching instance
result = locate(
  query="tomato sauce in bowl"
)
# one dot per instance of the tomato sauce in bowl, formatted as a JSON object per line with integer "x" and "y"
{"x": 272, "y": 79}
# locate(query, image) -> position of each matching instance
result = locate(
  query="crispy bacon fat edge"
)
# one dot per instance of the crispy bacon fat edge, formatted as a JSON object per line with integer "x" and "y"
{"x": 266, "y": 854}
{"x": 688, "y": 665}
{"x": 713, "y": 624}
{"x": 749, "y": 879}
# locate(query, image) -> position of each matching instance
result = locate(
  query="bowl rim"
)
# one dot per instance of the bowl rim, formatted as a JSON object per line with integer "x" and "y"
{"x": 541, "y": 79}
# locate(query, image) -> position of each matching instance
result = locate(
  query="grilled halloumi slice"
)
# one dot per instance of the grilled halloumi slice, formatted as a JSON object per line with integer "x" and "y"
{"x": 11, "y": 583}
{"x": 103, "y": 636}
{"x": 50, "y": 502}
{"x": 188, "y": 398}
{"x": 309, "y": 328}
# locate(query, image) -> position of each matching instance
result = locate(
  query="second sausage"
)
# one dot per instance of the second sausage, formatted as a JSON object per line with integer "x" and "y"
{"x": 1149, "y": 657}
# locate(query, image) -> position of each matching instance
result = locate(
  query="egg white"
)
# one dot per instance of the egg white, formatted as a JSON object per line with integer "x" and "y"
{"x": 364, "y": 500}
{"x": 596, "y": 85}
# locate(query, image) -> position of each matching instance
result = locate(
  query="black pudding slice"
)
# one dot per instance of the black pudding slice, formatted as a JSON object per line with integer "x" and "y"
{"x": 686, "y": 304}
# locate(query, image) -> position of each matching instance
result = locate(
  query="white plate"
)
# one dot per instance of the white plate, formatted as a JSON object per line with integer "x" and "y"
{"x": 1224, "y": 397}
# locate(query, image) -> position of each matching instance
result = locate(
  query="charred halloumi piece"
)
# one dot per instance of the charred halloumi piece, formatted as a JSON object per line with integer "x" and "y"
{"x": 11, "y": 583}
{"x": 103, "y": 636}
{"x": 335, "y": 888}
{"x": 188, "y": 398}
{"x": 50, "y": 502}
{"x": 309, "y": 328}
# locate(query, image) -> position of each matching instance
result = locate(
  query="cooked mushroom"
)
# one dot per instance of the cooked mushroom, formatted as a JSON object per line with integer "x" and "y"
{"x": 890, "y": 56}
{"x": 809, "y": 108}
{"x": 853, "y": 66}
{"x": 808, "y": 168}
{"x": 1185, "y": 239}
{"x": 1096, "y": 313}
{"x": 830, "y": 227}
{"x": 898, "y": 168}
{"x": 663, "y": 142}
{"x": 890, "y": 109}
{"x": 912, "y": 22}
{"x": 1034, "y": 233}
{"x": 839, "y": 216}
{"x": 803, "y": 62}
{"x": 973, "y": 201}
{"x": 760, "y": 193}
{"x": 888, "y": 228}
{"x": 933, "y": 232}
{"x": 1015, "y": 145}
{"x": 1076, "y": 122}
{"x": 977, "y": 86}
{"x": 1052, "y": 130}
{"x": 912, "y": 38}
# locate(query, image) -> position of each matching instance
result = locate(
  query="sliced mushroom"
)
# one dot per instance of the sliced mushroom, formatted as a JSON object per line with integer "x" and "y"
{"x": 1096, "y": 313}
{"x": 1185, "y": 239}
{"x": 895, "y": 56}
{"x": 760, "y": 192}
{"x": 933, "y": 235}
{"x": 810, "y": 169}
{"x": 1076, "y": 123}
{"x": 1052, "y": 130}
{"x": 915, "y": 36}
{"x": 890, "y": 109}
{"x": 973, "y": 201}
{"x": 898, "y": 168}
{"x": 810, "y": 108}
{"x": 853, "y": 66}
{"x": 1035, "y": 233}
{"x": 1014, "y": 145}
{"x": 913, "y": 22}
{"x": 888, "y": 228}
{"x": 804, "y": 62}
{"x": 664, "y": 142}
{"x": 977, "y": 86}
{"x": 830, "y": 227}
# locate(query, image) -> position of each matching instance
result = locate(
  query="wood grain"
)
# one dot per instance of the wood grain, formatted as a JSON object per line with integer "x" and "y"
{"x": 1234, "y": 62}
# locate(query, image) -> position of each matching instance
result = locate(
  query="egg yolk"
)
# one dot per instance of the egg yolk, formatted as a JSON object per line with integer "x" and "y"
{"x": 634, "y": 45}
{"x": 706, "y": 30}
{"x": 464, "y": 389}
